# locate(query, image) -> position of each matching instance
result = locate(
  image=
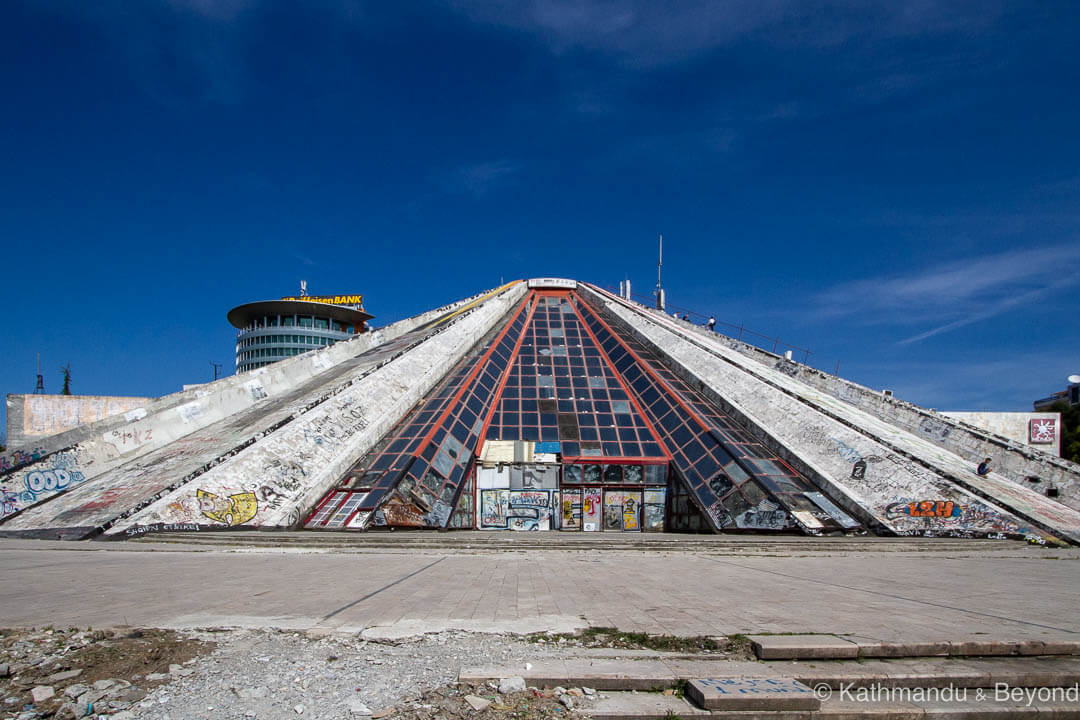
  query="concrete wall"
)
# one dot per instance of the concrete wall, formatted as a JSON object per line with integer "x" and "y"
{"x": 1013, "y": 460}
{"x": 823, "y": 438}
{"x": 277, "y": 481}
{"x": 32, "y": 417}
{"x": 1012, "y": 425}
{"x": 69, "y": 459}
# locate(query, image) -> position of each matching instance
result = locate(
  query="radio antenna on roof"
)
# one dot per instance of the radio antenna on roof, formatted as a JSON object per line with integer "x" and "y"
{"x": 659, "y": 286}
{"x": 39, "y": 389}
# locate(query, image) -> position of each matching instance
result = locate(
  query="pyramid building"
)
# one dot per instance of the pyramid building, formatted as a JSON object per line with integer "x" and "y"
{"x": 546, "y": 404}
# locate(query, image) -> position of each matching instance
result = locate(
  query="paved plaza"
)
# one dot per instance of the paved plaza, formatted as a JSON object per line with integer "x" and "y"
{"x": 876, "y": 589}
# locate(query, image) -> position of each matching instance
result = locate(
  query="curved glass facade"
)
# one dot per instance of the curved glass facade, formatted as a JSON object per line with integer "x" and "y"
{"x": 269, "y": 338}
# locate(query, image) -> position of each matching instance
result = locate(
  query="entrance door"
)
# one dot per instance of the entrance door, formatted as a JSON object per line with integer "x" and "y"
{"x": 592, "y": 509}
{"x": 631, "y": 512}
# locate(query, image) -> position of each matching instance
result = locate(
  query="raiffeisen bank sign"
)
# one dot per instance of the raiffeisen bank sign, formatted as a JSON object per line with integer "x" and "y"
{"x": 352, "y": 300}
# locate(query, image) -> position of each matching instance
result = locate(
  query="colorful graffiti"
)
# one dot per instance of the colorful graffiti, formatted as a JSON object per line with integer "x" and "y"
{"x": 591, "y": 509}
{"x": 571, "y": 510}
{"x": 622, "y": 510}
{"x": 502, "y": 509}
{"x": 18, "y": 458}
{"x": 9, "y": 503}
{"x": 54, "y": 475}
{"x": 232, "y": 510}
{"x": 950, "y": 516}
{"x": 924, "y": 509}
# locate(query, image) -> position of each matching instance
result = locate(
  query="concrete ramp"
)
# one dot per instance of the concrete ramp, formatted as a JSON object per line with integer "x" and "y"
{"x": 884, "y": 475}
{"x": 1014, "y": 460}
{"x": 324, "y": 409}
{"x": 61, "y": 462}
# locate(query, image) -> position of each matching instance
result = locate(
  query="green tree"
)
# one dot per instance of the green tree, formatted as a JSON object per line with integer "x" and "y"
{"x": 1070, "y": 429}
{"x": 66, "y": 370}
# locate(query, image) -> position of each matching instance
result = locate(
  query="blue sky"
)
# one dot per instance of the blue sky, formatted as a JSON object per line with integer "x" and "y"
{"x": 895, "y": 186}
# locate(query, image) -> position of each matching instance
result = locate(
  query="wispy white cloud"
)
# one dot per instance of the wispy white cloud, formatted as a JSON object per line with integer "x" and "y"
{"x": 956, "y": 294}
{"x": 478, "y": 179}
{"x": 649, "y": 34}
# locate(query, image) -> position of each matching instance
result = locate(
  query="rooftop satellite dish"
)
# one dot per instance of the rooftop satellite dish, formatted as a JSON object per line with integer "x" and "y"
{"x": 1074, "y": 379}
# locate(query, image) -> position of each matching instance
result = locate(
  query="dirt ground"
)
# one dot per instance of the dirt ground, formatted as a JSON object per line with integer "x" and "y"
{"x": 121, "y": 672}
{"x": 129, "y": 661}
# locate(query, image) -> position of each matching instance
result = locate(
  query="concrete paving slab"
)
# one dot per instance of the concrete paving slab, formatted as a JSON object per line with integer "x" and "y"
{"x": 640, "y": 706}
{"x": 871, "y": 648}
{"x": 852, "y": 710}
{"x": 802, "y": 647}
{"x": 358, "y": 587}
{"x": 837, "y": 675}
{"x": 983, "y": 647}
{"x": 600, "y": 674}
{"x": 760, "y": 693}
{"x": 653, "y": 706}
{"x": 1049, "y": 647}
{"x": 973, "y": 709}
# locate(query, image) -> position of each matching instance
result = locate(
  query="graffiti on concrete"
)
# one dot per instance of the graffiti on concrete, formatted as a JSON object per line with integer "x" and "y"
{"x": 53, "y": 475}
{"x": 766, "y": 515}
{"x": 787, "y": 367}
{"x": 949, "y": 515}
{"x": 591, "y": 509}
{"x": 9, "y": 503}
{"x": 924, "y": 508}
{"x": 124, "y": 437}
{"x": 720, "y": 515}
{"x": 18, "y": 458}
{"x": 232, "y": 510}
{"x": 571, "y": 510}
{"x": 502, "y": 509}
{"x": 136, "y": 530}
{"x": 622, "y": 510}
{"x": 845, "y": 451}
{"x": 934, "y": 428}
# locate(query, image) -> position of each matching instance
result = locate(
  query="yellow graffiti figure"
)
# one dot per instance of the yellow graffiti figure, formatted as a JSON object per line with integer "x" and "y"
{"x": 234, "y": 510}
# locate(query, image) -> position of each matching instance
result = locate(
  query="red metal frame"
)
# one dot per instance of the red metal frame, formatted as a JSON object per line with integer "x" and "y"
{"x": 329, "y": 496}
{"x": 622, "y": 384}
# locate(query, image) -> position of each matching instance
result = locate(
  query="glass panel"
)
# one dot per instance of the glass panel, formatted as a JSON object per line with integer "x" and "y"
{"x": 613, "y": 473}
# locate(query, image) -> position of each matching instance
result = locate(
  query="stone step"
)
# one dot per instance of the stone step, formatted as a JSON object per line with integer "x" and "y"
{"x": 580, "y": 541}
{"x": 918, "y": 704}
{"x": 832, "y": 647}
{"x": 658, "y": 673}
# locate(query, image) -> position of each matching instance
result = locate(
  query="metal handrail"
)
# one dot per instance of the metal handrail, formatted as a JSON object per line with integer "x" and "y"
{"x": 743, "y": 330}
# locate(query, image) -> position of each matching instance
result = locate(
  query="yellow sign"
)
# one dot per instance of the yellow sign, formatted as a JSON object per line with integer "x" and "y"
{"x": 330, "y": 299}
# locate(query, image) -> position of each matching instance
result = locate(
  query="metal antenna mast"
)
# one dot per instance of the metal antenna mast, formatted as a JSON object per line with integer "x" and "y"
{"x": 659, "y": 286}
{"x": 39, "y": 389}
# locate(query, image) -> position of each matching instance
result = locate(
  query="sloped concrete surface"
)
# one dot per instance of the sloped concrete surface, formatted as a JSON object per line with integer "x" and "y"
{"x": 74, "y": 457}
{"x": 306, "y": 408}
{"x": 1016, "y": 461}
{"x": 296, "y": 464}
{"x": 825, "y": 437}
